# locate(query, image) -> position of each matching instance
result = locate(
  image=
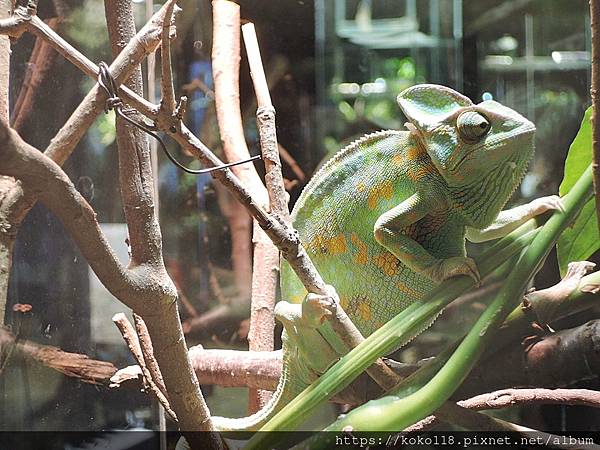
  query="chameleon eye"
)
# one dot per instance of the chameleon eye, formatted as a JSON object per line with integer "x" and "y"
{"x": 472, "y": 126}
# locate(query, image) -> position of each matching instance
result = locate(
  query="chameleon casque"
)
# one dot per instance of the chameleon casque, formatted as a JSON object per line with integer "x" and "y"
{"x": 385, "y": 221}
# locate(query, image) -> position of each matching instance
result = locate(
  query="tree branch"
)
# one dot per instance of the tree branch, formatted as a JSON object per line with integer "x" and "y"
{"x": 133, "y": 344}
{"x": 463, "y": 413}
{"x": 226, "y": 66}
{"x": 137, "y": 193}
{"x": 167, "y": 102}
{"x": 15, "y": 202}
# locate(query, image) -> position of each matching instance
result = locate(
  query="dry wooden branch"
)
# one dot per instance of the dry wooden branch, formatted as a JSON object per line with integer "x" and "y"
{"x": 41, "y": 60}
{"x": 130, "y": 338}
{"x": 516, "y": 397}
{"x": 226, "y": 66}
{"x": 137, "y": 192}
{"x": 148, "y": 353}
{"x": 15, "y": 201}
{"x": 265, "y": 117}
{"x": 260, "y": 370}
{"x": 167, "y": 102}
{"x": 159, "y": 308}
{"x": 71, "y": 364}
{"x": 504, "y": 399}
{"x": 472, "y": 420}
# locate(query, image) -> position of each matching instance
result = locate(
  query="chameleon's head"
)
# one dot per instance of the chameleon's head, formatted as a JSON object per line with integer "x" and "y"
{"x": 466, "y": 141}
{"x": 472, "y": 146}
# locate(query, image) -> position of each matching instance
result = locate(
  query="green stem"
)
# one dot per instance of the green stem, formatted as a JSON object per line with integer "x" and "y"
{"x": 391, "y": 413}
{"x": 389, "y": 337}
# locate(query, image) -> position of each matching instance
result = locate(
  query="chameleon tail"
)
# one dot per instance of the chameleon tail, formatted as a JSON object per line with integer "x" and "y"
{"x": 288, "y": 387}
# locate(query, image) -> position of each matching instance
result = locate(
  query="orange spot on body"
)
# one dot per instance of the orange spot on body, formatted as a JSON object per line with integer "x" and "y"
{"x": 362, "y": 257}
{"x": 361, "y": 186}
{"x": 405, "y": 289}
{"x": 387, "y": 262}
{"x": 420, "y": 172}
{"x": 364, "y": 311}
{"x": 399, "y": 159}
{"x": 337, "y": 245}
{"x": 344, "y": 303}
{"x": 413, "y": 153}
{"x": 380, "y": 191}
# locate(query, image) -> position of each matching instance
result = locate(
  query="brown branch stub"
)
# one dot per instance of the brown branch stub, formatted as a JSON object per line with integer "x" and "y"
{"x": 71, "y": 364}
{"x": 133, "y": 344}
{"x": 546, "y": 304}
{"x": 595, "y": 95}
{"x": 148, "y": 353}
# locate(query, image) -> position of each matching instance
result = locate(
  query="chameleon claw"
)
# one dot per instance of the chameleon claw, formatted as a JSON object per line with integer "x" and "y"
{"x": 549, "y": 203}
{"x": 316, "y": 309}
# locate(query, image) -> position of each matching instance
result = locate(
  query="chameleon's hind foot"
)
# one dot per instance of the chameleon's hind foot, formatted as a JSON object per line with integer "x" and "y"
{"x": 317, "y": 308}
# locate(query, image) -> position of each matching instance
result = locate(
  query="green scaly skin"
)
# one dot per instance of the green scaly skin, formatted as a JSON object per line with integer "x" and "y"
{"x": 385, "y": 220}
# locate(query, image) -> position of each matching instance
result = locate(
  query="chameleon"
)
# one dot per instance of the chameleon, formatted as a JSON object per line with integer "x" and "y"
{"x": 385, "y": 221}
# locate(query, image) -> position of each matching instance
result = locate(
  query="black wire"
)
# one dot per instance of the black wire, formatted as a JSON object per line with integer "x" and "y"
{"x": 107, "y": 82}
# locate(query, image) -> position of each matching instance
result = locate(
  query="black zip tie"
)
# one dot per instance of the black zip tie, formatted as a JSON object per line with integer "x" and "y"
{"x": 107, "y": 82}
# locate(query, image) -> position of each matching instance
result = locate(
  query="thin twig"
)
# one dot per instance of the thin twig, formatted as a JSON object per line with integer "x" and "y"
{"x": 290, "y": 161}
{"x": 166, "y": 82}
{"x": 130, "y": 338}
{"x": 265, "y": 116}
{"x": 41, "y": 60}
{"x": 456, "y": 413}
{"x": 148, "y": 352}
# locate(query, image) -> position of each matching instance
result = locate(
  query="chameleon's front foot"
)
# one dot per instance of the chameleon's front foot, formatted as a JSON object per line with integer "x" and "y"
{"x": 442, "y": 269}
{"x": 543, "y": 204}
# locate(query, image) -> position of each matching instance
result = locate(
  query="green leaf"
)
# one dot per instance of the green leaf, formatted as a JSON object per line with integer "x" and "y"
{"x": 581, "y": 240}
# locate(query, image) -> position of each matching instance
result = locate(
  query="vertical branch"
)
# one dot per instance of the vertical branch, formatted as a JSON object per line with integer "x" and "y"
{"x": 135, "y": 171}
{"x": 7, "y": 236}
{"x": 5, "y": 12}
{"x": 226, "y": 66}
{"x": 595, "y": 22}
{"x": 166, "y": 82}
{"x": 265, "y": 116}
{"x": 137, "y": 192}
